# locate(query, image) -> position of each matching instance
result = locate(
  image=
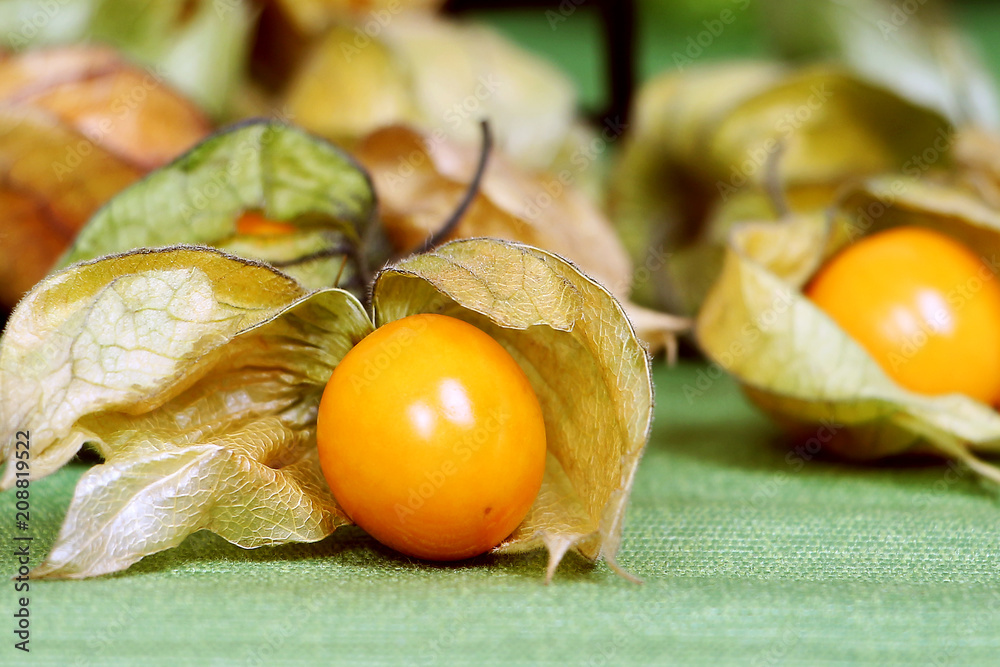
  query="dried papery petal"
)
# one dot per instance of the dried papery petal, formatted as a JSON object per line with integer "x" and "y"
{"x": 588, "y": 369}
{"x": 77, "y": 125}
{"x": 721, "y": 143}
{"x": 420, "y": 179}
{"x": 284, "y": 175}
{"x": 196, "y": 375}
{"x": 127, "y": 110}
{"x": 440, "y": 76}
{"x": 920, "y": 55}
{"x": 197, "y": 45}
{"x": 798, "y": 365}
{"x": 314, "y": 16}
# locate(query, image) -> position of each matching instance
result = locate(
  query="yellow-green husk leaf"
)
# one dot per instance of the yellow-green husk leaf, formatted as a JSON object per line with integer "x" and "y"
{"x": 588, "y": 369}
{"x": 798, "y": 365}
{"x": 196, "y": 375}
{"x": 276, "y": 170}
{"x": 714, "y": 142}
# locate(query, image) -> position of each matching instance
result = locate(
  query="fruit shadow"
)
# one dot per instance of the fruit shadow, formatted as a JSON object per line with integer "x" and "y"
{"x": 349, "y": 548}
{"x": 735, "y": 446}
{"x": 766, "y": 449}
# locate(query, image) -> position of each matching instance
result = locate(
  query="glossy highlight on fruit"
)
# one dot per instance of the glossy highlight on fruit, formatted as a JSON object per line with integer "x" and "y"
{"x": 923, "y": 305}
{"x": 432, "y": 438}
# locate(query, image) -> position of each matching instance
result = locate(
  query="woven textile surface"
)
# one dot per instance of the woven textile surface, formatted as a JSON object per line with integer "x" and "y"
{"x": 749, "y": 556}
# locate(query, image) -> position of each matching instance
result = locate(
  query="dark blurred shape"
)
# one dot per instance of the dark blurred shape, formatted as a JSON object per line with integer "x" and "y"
{"x": 618, "y": 25}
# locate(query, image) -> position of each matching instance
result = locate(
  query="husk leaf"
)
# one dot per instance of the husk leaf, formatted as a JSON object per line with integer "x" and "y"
{"x": 197, "y": 45}
{"x": 798, "y": 365}
{"x": 588, "y": 369}
{"x": 713, "y": 138}
{"x": 197, "y": 376}
{"x": 283, "y": 173}
{"x": 512, "y": 203}
{"x": 442, "y": 77}
{"x": 77, "y": 125}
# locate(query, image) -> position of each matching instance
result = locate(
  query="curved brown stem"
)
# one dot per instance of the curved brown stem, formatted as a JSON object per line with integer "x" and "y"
{"x": 451, "y": 223}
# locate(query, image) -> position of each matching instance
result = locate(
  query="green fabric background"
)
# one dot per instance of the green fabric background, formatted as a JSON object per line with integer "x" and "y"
{"x": 747, "y": 558}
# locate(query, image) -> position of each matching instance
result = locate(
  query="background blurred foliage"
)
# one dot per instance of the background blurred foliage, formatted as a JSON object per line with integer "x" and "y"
{"x": 669, "y": 33}
{"x": 569, "y": 32}
{"x": 664, "y": 26}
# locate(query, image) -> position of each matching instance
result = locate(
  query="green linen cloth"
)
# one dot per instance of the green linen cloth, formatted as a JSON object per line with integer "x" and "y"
{"x": 747, "y": 558}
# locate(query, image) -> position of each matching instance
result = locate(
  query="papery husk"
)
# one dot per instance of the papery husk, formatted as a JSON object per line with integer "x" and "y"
{"x": 718, "y": 137}
{"x": 440, "y": 76}
{"x": 77, "y": 125}
{"x": 197, "y": 376}
{"x": 977, "y": 158}
{"x": 199, "y": 46}
{"x": 798, "y": 365}
{"x": 587, "y": 366}
{"x": 265, "y": 167}
{"x": 421, "y": 178}
{"x": 913, "y": 49}
{"x": 312, "y": 17}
